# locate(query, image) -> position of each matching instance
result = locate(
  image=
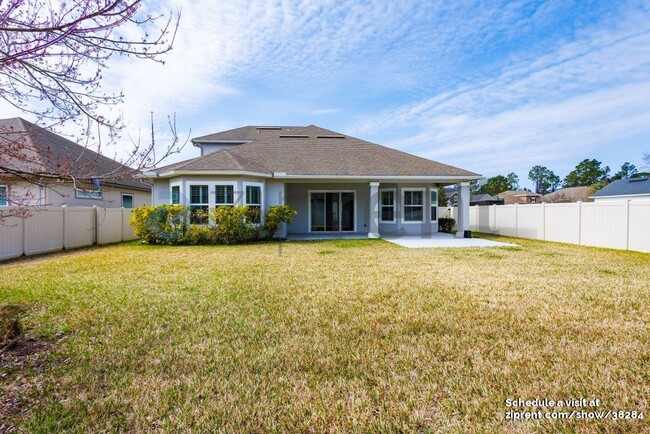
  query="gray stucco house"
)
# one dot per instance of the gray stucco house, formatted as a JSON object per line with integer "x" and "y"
{"x": 337, "y": 183}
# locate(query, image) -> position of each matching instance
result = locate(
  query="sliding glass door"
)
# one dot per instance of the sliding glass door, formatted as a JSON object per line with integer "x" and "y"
{"x": 332, "y": 211}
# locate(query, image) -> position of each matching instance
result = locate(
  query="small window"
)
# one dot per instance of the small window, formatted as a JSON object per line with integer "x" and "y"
{"x": 413, "y": 205}
{"x": 4, "y": 199}
{"x": 224, "y": 195}
{"x": 176, "y": 195}
{"x": 199, "y": 204}
{"x": 434, "y": 205}
{"x": 127, "y": 200}
{"x": 254, "y": 202}
{"x": 387, "y": 204}
{"x": 90, "y": 193}
{"x": 533, "y": 199}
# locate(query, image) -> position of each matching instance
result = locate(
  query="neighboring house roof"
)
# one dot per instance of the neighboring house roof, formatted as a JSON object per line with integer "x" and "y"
{"x": 48, "y": 153}
{"x": 569, "y": 194}
{"x": 626, "y": 187}
{"x": 481, "y": 198}
{"x": 309, "y": 151}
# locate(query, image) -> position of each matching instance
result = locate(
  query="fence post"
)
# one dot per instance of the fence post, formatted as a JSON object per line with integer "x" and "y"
{"x": 494, "y": 218}
{"x": 579, "y": 203}
{"x": 65, "y": 216}
{"x": 544, "y": 221}
{"x": 516, "y": 220}
{"x": 627, "y": 224}
{"x": 96, "y": 218}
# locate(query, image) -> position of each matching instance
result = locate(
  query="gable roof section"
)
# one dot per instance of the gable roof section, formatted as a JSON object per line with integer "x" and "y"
{"x": 568, "y": 194}
{"x": 48, "y": 153}
{"x": 625, "y": 187}
{"x": 310, "y": 151}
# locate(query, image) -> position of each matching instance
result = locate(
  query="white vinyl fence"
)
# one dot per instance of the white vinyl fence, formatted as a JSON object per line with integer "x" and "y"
{"x": 616, "y": 225}
{"x": 56, "y": 228}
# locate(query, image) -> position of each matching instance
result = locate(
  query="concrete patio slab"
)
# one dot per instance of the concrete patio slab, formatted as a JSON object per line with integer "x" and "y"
{"x": 442, "y": 240}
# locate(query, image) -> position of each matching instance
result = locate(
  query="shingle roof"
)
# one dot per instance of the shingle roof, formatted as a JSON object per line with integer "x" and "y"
{"x": 48, "y": 153}
{"x": 624, "y": 187}
{"x": 569, "y": 194}
{"x": 310, "y": 150}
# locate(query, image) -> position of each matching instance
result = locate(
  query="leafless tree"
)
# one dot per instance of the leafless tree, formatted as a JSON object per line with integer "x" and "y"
{"x": 52, "y": 57}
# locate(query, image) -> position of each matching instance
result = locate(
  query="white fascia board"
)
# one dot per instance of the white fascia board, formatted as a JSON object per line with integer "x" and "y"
{"x": 381, "y": 177}
{"x": 620, "y": 196}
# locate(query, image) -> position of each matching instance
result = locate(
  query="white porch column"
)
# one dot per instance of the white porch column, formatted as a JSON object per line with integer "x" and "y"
{"x": 373, "y": 231}
{"x": 462, "y": 224}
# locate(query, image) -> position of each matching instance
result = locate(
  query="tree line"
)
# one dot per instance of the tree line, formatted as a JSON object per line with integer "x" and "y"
{"x": 588, "y": 173}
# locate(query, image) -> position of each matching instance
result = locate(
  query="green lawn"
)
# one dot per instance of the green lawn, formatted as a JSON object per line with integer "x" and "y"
{"x": 332, "y": 336}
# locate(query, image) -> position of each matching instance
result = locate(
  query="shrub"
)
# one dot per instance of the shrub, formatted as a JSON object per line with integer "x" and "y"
{"x": 275, "y": 216}
{"x": 446, "y": 224}
{"x": 198, "y": 234}
{"x": 233, "y": 225}
{"x": 162, "y": 224}
{"x": 140, "y": 221}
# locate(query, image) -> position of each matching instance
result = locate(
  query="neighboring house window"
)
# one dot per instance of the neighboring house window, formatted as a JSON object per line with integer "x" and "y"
{"x": 413, "y": 203}
{"x": 224, "y": 195}
{"x": 533, "y": 200}
{"x": 95, "y": 193}
{"x": 199, "y": 204}
{"x": 254, "y": 202}
{"x": 387, "y": 204}
{"x": 434, "y": 205}
{"x": 4, "y": 199}
{"x": 176, "y": 195}
{"x": 127, "y": 200}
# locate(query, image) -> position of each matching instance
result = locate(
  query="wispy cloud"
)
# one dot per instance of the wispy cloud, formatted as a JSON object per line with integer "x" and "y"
{"x": 569, "y": 103}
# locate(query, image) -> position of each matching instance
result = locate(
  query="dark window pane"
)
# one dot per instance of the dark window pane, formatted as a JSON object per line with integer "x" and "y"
{"x": 387, "y": 213}
{"x": 331, "y": 211}
{"x": 176, "y": 195}
{"x": 127, "y": 201}
{"x": 253, "y": 194}
{"x": 224, "y": 194}
{"x": 413, "y": 213}
{"x": 317, "y": 211}
{"x": 387, "y": 198}
{"x": 434, "y": 213}
{"x": 347, "y": 211}
{"x": 199, "y": 194}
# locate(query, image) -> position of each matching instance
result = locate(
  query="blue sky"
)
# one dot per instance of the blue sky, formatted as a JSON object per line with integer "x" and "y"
{"x": 492, "y": 87}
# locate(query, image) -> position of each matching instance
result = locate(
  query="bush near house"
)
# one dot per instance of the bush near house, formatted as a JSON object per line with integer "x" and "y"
{"x": 169, "y": 225}
{"x": 446, "y": 224}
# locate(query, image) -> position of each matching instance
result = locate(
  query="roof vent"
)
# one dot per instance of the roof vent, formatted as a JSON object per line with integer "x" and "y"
{"x": 330, "y": 137}
{"x": 269, "y": 128}
{"x": 293, "y": 136}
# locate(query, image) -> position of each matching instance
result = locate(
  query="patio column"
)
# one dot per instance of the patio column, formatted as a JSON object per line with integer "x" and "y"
{"x": 373, "y": 231}
{"x": 462, "y": 224}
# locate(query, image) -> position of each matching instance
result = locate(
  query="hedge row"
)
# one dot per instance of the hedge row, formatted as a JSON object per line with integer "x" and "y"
{"x": 170, "y": 224}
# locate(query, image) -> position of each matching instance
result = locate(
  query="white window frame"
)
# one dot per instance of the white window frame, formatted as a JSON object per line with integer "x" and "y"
{"x": 132, "y": 199}
{"x": 88, "y": 194}
{"x": 403, "y": 205}
{"x": 433, "y": 204}
{"x": 394, "y": 205}
{"x": 191, "y": 204}
{"x": 356, "y": 211}
{"x": 6, "y": 196}
{"x": 171, "y": 193}
{"x": 245, "y": 198}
